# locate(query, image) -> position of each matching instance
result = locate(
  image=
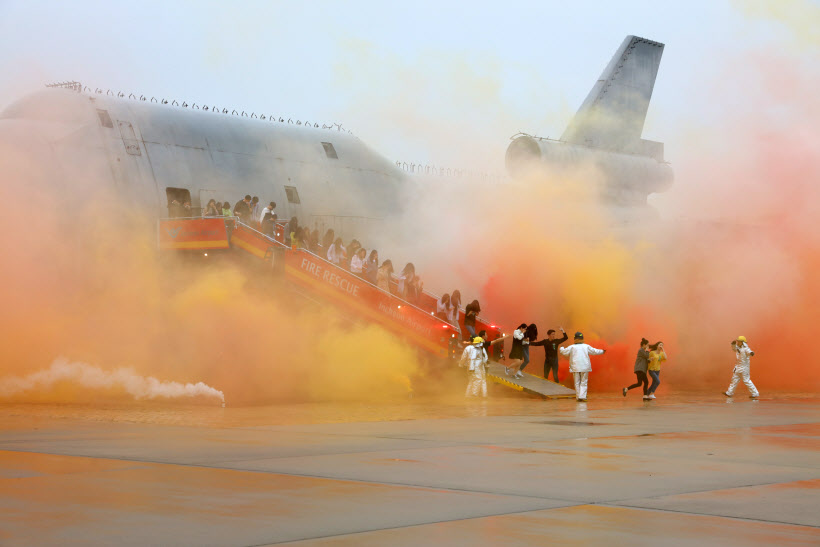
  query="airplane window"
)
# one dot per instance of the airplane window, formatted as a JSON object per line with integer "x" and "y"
{"x": 105, "y": 119}
{"x": 330, "y": 151}
{"x": 293, "y": 194}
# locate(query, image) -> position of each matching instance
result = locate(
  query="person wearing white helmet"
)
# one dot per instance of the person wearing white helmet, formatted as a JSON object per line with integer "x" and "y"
{"x": 743, "y": 355}
{"x": 475, "y": 358}
{"x": 579, "y": 364}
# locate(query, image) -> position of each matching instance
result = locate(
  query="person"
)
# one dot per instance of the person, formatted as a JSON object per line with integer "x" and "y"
{"x": 475, "y": 358}
{"x": 405, "y": 280}
{"x": 415, "y": 289}
{"x": 269, "y": 209}
{"x": 470, "y": 313}
{"x": 579, "y": 364}
{"x": 210, "y": 209}
{"x": 268, "y": 226}
{"x": 174, "y": 209}
{"x": 255, "y": 209}
{"x": 357, "y": 262}
{"x": 517, "y": 350}
{"x": 292, "y": 231}
{"x": 302, "y": 238}
{"x": 487, "y": 345}
{"x": 351, "y": 250}
{"x": 550, "y": 345}
{"x": 226, "y": 210}
{"x": 530, "y": 334}
{"x": 335, "y": 253}
{"x": 641, "y": 368}
{"x": 314, "y": 241}
{"x": 441, "y": 307}
{"x": 743, "y": 355}
{"x": 242, "y": 209}
{"x": 454, "y": 311}
{"x": 371, "y": 270}
{"x": 383, "y": 275}
{"x": 328, "y": 240}
{"x": 656, "y": 357}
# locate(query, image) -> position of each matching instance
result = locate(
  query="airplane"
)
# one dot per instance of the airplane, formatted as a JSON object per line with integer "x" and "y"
{"x": 151, "y": 154}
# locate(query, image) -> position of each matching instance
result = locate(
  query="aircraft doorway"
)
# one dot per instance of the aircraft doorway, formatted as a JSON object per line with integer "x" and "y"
{"x": 177, "y": 197}
{"x": 294, "y": 202}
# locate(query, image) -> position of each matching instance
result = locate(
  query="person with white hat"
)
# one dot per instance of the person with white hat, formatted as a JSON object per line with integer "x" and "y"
{"x": 475, "y": 356}
{"x": 743, "y": 355}
{"x": 579, "y": 364}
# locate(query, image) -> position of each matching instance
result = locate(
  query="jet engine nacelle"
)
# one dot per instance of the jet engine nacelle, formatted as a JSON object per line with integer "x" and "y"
{"x": 623, "y": 178}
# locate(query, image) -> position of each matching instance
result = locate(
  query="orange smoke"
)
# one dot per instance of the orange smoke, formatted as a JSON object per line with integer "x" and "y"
{"x": 739, "y": 257}
{"x": 83, "y": 281}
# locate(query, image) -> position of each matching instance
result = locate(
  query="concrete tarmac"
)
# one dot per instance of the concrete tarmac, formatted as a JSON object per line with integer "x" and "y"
{"x": 680, "y": 470}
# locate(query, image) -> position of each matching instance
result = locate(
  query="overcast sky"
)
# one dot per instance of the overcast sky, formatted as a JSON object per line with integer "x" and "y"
{"x": 444, "y": 82}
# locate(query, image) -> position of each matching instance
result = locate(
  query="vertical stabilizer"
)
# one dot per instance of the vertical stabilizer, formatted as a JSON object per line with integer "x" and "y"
{"x": 613, "y": 114}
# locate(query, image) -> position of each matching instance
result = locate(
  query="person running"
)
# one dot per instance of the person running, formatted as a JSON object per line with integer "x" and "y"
{"x": 517, "y": 350}
{"x": 530, "y": 334}
{"x": 579, "y": 364}
{"x": 476, "y": 356}
{"x": 656, "y": 357}
{"x": 641, "y": 367}
{"x": 551, "y": 352}
{"x": 743, "y": 355}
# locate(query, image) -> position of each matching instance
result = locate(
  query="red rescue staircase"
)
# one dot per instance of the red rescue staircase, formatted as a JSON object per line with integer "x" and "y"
{"x": 354, "y": 296}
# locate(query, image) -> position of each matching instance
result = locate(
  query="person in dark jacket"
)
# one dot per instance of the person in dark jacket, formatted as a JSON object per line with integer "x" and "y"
{"x": 242, "y": 209}
{"x": 517, "y": 350}
{"x": 550, "y": 345}
{"x": 641, "y": 365}
{"x": 487, "y": 344}
{"x": 470, "y": 313}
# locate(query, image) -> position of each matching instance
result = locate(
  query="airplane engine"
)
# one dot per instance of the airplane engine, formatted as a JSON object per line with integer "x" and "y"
{"x": 624, "y": 178}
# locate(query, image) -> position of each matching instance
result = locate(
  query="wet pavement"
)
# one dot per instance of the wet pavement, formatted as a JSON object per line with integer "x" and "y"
{"x": 684, "y": 469}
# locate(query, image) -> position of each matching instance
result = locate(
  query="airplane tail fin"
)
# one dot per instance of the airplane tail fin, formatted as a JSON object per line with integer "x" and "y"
{"x": 613, "y": 114}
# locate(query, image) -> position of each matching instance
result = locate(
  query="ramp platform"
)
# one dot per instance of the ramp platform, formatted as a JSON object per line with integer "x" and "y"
{"x": 529, "y": 383}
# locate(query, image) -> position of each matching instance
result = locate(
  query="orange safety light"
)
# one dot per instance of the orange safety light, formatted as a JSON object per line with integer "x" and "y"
{"x": 399, "y": 306}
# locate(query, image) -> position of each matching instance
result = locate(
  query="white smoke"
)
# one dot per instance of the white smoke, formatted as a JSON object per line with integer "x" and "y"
{"x": 91, "y": 377}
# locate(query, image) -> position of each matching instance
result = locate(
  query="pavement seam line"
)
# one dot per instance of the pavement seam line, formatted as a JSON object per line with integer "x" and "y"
{"x": 680, "y": 512}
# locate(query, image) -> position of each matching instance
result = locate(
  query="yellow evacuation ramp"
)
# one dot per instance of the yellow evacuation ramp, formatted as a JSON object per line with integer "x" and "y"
{"x": 529, "y": 383}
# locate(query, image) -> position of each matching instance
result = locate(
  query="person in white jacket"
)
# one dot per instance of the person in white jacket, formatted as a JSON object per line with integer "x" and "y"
{"x": 743, "y": 354}
{"x": 579, "y": 364}
{"x": 475, "y": 358}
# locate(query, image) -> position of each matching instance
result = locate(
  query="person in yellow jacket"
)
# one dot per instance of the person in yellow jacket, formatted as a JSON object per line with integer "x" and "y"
{"x": 656, "y": 357}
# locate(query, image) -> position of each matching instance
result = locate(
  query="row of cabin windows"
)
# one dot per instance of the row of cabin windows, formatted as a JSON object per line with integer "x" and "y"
{"x": 330, "y": 151}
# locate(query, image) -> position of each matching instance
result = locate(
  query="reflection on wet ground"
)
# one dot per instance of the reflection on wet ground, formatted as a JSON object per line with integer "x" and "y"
{"x": 346, "y": 412}
{"x": 684, "y": 469}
